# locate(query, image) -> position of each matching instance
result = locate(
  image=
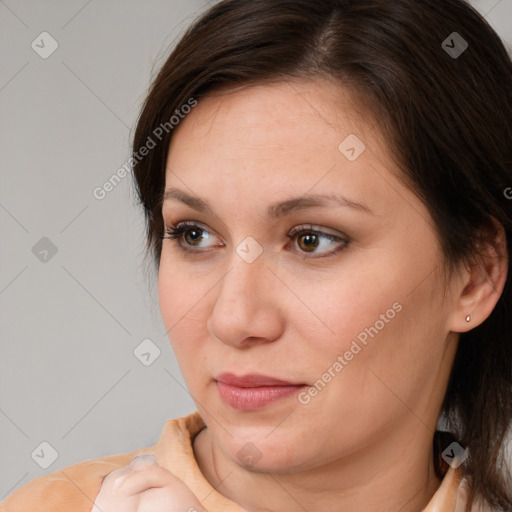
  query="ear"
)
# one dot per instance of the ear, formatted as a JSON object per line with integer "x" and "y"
{"x": 482, "y": 283}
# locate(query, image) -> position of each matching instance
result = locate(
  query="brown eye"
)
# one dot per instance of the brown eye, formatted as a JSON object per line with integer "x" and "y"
{"x": 308, "y": 242}
{"x": 316, "y": 242}
{"x": 193, "y": 235}
{"x": 192, "y": 238}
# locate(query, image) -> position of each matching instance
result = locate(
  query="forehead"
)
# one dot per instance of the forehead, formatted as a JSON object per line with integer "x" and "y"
{"x": 277, "y": 117}
{"x": 262, "y": 144}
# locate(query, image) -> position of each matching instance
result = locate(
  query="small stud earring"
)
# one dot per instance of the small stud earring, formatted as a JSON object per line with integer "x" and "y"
{"x": 468, "y": 318}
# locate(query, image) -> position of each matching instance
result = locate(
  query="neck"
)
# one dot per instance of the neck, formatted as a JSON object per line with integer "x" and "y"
{"x": 384, "y": 477}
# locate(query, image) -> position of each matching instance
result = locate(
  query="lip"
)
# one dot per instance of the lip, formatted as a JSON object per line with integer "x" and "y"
{"x": 253, "y": 391}
{"x": 252, "y": 380}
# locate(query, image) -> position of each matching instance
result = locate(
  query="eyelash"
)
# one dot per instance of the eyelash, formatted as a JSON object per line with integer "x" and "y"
{"x": 175, "y": 233}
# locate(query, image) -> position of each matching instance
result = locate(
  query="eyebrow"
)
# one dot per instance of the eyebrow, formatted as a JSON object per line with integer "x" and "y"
{"x": 275, "y": 210}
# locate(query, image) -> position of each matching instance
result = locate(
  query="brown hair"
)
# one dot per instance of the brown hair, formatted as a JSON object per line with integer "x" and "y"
{"x": 446, "y": 119}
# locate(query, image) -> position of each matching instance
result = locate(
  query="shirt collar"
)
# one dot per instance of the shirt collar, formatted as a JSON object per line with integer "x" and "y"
{"x": 175, "y": 452}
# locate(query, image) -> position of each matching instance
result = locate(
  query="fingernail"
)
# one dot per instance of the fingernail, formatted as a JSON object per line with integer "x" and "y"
{"x": 118, "y": 482}
{"x": 145, "y": 460}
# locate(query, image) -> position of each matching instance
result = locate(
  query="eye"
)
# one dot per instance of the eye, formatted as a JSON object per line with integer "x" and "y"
{"x": 309, "y": 239}
{"x": 190, "y": 234}
{"x": 193, "y": 237}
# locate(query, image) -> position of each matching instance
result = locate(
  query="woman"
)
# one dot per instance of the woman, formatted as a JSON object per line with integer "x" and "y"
{"x": 326, "y": 187}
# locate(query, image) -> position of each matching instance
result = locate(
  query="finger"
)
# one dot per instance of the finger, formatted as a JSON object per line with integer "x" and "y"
{"x": 136, "y": 463}
{"x": 109, "y": 478}
{"x": 144, "y": 478}
{"x": 142, "y": 461}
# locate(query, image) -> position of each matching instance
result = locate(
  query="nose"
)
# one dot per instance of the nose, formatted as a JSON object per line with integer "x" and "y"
{"x": 246, "y": 310}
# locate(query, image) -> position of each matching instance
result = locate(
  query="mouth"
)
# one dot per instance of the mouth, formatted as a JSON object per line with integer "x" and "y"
{"x": 252, "y": 391}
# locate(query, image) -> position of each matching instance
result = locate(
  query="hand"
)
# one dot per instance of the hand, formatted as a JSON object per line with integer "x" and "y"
{"x": 145, "y": 486}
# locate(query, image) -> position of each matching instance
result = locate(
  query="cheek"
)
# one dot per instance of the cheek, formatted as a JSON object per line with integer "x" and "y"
{"x": 171, "y": 307}
{"x": 377, "y": 326}
{"x": 181, "y": 308}
{"x": 386, "y": 353}
{"x": 345, "y": 309}
{"x": 374, "y": 298}
{"x": 182, "y": 289}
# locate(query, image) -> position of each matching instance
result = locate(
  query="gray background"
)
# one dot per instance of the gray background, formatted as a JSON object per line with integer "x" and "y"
{"x": 70, "y": 323}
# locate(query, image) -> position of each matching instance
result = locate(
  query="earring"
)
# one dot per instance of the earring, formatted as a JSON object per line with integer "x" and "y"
{"x": 468, "y": 318}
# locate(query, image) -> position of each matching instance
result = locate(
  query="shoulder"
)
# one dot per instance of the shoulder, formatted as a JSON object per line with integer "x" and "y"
{"x": 71, "y": 488}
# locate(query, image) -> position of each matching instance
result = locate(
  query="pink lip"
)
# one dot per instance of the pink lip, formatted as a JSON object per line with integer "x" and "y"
{"x": 252, "y": 391}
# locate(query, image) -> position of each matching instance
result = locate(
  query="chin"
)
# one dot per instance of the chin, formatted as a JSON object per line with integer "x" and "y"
{"x": 270, "y": 454}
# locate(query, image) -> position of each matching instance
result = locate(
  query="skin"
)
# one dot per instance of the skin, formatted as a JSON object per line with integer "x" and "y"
{"x": 364, "y": 442}
{"x": 144, "y": 486}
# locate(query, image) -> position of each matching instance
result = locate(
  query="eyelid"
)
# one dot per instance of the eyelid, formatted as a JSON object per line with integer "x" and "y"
{"x": 192, "y": 223}
{"x": 316, "y": 229}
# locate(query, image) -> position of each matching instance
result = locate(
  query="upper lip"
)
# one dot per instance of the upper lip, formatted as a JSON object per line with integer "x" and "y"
{"x": 252, "y": 380}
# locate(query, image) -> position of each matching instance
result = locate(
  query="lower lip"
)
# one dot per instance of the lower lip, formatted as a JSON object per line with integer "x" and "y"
{"x": 250, "y": 399}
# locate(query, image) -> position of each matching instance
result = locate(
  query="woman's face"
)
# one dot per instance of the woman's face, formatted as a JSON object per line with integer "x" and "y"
{"x": 303, "y": 260}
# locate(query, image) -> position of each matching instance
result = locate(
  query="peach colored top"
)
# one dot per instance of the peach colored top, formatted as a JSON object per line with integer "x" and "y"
{"x": 74, "y": 488}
